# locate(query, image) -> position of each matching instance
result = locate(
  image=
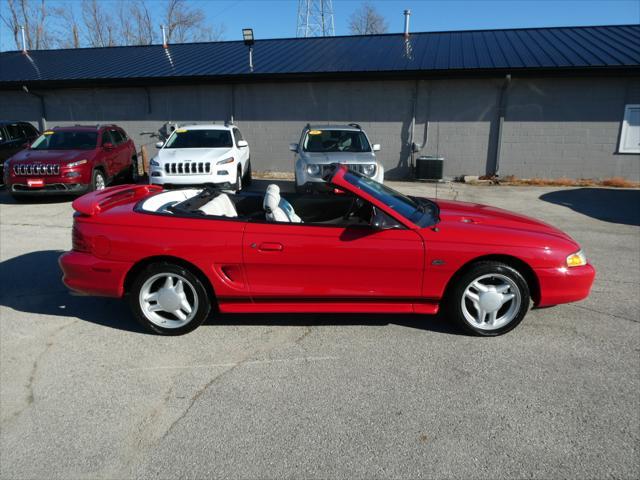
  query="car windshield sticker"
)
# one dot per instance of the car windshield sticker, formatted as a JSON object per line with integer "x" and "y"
{"x": 315, "y": 132}
{"x": 48, "y": 132}
{"x": 181, "y": 130}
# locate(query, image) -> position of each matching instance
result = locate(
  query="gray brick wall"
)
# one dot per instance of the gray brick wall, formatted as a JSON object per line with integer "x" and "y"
{"x": 553, "y": 127}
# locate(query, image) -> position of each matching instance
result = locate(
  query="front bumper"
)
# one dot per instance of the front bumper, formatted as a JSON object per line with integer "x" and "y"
{"x": 160, "y": 177}
{"x": 89, "y": 275}
{"x": 50, "y": 189}
{"x": 310, "y": 182}
{"x": 564, "y": 285}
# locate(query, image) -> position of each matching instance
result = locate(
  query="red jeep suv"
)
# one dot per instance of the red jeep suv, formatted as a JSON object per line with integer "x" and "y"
{"x": 71, "y": 160}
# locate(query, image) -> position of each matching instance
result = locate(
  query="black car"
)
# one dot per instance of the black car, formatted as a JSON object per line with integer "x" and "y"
{"x": 13, "y": 138}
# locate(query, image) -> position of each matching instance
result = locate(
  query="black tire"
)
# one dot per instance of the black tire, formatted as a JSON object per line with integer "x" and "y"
{"x": 238, "y": 186}
{"x": 485, "y": 271}
{"x": 195, "y": 290}
{"x": 131, "y": 175}
{"x": 248, "y": 176}
{"x": 95, "y": 180}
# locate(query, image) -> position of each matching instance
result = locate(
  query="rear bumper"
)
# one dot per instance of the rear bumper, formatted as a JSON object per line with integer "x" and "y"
{"x": 89, "y": 275}
{"x": 564, "y": 285}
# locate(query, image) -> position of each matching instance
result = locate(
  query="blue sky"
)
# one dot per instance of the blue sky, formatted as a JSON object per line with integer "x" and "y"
{"x": 277, "y": 18}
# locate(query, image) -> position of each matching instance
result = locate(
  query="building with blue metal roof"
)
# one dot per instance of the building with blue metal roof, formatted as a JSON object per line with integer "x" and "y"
{"x": 534, "y": 102}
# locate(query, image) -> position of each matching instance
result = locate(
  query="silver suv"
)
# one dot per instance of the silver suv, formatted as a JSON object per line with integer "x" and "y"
{"x": 320, "y": 146}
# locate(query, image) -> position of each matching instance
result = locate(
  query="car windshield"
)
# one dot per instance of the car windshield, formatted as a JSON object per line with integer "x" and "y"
{"x": 184, "y": 138}
{"x": 336, "y": 141}
{"x": 66, "y": 140}
{"x": 421, "y": 212}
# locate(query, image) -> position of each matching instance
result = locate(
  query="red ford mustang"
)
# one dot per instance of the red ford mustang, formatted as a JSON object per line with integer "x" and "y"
{"x": 176, "y": 254}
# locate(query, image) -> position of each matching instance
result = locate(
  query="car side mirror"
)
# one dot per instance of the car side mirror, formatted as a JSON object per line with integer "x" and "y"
{"x": 242, "y": 144}
{"x": 107, "y": 146}
{"x": 382, "y": 221}
{"x": 293, "y": 147}
{"x": 159, "y": 144}
{"x": 376, "y": 147}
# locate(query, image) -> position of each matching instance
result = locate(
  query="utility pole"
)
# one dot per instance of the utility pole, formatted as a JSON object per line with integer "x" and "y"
{"x": 315, "y": 19}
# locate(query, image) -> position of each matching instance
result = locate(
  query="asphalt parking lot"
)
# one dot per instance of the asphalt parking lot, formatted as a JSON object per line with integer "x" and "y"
{"x": 86, "y": 394}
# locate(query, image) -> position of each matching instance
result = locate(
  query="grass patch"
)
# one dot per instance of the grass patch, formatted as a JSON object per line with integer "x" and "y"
{"x": 617, "y": 182}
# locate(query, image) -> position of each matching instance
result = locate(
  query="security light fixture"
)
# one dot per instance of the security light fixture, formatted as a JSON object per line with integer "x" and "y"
{"x": 247, "y": 36}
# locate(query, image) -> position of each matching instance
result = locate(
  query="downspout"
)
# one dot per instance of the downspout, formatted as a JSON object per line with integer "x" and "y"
{"x": 502, "y": 107}
{"x": 412, "y": 146}
{"x": 233, "y": 103}
{"x": 43, "y": 120}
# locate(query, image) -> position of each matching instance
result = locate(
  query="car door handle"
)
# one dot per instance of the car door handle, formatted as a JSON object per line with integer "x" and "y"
{"x": 270, "y": 247}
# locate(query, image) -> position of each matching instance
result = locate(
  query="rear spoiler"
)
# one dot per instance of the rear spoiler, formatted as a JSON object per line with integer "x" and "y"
{"x": 96, "y": 202}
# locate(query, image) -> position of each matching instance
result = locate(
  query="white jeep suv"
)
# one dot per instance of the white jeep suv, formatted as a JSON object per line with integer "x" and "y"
{"x": 198, "y": 154}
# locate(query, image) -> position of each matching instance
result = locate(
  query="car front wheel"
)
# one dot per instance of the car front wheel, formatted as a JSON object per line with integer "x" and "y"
{"x": 98, "y": 181}
{"x": 489, "y": 299}
{"x": 168, "y": 299}
{"x": 238, "y": 179}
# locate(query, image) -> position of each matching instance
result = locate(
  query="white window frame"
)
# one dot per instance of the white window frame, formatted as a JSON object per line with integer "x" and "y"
{"x": 625, "y": 130}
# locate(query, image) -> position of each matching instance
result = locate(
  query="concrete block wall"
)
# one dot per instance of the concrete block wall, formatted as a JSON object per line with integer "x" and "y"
{"x": 553, "y": 127}
{"x": 568, "y": 127}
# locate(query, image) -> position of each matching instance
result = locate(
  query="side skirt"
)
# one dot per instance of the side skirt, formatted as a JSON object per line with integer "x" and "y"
{"x": 230, "y": 306}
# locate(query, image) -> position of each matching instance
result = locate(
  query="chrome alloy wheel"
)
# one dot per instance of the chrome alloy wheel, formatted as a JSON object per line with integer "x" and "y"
{"x": 168, "y": 300}
{"x": 100, "y": 183}
{"x": 491, "y": 301}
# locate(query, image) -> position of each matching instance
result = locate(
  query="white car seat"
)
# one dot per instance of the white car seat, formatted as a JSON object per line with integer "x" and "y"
{"x": 221, "y": 206}
{"x": 277, "y": 209}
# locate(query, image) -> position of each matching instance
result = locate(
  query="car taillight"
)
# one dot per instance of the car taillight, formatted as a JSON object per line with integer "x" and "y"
{"x": 79, "y": 242}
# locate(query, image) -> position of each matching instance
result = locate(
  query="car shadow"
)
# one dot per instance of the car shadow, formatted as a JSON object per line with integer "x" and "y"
{"x": 7, "y": 199}
{"x": 36, "y": 288}
{"x": 606, "y": 204}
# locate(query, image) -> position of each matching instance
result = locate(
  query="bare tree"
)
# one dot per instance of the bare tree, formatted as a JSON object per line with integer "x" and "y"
{"x": 100, "y": 29}
{"x": 187, "y": 24}
{"x": 68, "y": 34}
{"x": 137, "y": 23}
{"x": 367, "y": 21}
{"x": 32, "y": 15}
{"x": 97, "y": 23}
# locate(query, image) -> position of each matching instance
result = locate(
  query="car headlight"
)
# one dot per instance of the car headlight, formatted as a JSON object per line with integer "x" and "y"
{"x": 154, "y": 163}
{"x": 77, "y": 164}
{"x": 313, "y": 170}
{"x": 226, "y": 160}
{"x": 369, "y": 170}
{"x": 577, "y": 259}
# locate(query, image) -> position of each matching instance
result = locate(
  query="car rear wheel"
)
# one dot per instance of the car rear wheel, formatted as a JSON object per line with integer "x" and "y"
{"x": 489, "y": 299}
{"x": 169, "y": 300}
{"x": 98, "y": 181}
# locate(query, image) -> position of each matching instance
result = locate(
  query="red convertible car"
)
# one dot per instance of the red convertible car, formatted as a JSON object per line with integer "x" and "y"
{"x": 179, "y": 254}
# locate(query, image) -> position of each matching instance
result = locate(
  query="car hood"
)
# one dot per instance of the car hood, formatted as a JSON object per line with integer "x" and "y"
{"x": 52, "y": 156}
{"x": 338, "y": 157}
{"x": 193, "y": 154}
{"x": 473, "y": 215}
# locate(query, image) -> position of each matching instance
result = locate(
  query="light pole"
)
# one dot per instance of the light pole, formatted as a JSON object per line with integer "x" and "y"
{"x": 247, "y": 36}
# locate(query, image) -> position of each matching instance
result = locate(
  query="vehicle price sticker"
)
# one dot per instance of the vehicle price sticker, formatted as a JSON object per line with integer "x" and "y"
{"x": 35, "y": 182}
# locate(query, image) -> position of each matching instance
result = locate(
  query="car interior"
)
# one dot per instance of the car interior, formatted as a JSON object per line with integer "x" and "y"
{"x": 272, "y": 206}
